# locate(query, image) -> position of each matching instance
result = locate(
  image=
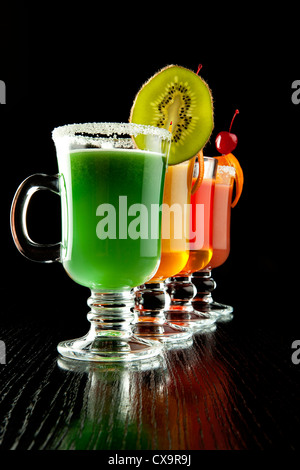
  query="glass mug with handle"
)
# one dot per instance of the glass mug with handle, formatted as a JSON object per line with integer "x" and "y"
{"x": 110, "y": 235}
{"x": 152, "y": 298}
{"x": 180, "y": 286}
{"x": 203, "y": 279}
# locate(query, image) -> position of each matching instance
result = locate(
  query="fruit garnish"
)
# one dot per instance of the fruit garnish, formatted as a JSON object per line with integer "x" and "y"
{"x": 178, "y": 95}
{"x": 226, "y": 142}
{"x": 200, "y": 176}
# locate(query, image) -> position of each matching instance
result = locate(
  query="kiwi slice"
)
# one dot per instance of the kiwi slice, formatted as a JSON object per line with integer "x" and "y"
{"x": 179, "y": 96}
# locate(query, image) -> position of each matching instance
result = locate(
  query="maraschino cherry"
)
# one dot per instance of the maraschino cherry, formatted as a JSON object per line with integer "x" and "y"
{"x": 226, "y": 142}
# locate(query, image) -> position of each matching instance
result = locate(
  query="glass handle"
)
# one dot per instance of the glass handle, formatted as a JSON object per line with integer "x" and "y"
{"x": 44, "y": 253}
{"x": 200, "y": 173}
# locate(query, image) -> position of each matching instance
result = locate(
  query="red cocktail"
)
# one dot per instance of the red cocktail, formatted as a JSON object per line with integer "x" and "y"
{"x": 220, "y": 243}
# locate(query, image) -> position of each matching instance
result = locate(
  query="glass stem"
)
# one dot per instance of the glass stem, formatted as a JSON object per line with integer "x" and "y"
{"x": 151, "y": 300}
{"x": 205, "y": 285}
{"x": 181, "y": 291}
{"x": 111, "y": 314}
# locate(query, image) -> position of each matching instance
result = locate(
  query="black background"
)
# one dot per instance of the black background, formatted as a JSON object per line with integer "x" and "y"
{"x": 87, "y": 65}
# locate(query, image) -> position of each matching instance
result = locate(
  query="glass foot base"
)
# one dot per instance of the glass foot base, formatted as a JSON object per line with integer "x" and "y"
{"x": 104, "y": 349}
{"x": 221, "y": 312}
{"x": 165, "y": 332}
{"x": 190, "y": 319}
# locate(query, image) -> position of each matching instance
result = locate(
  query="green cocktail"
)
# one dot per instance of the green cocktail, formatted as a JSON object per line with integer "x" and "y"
{"x": 111, "y": 181}
{"x": 110, "y": 239}
{"x": 111, "y": 191}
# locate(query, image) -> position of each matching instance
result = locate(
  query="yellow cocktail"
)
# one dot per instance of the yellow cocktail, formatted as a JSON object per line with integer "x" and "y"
{"x": 151, "y": 298}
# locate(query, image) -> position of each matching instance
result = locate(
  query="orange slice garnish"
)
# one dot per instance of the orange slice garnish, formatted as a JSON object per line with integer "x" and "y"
{"x": 231, "y": 160}
{"x": 201, "y": 172}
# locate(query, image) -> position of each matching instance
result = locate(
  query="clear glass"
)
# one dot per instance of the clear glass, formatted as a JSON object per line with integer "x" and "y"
{"x": 202, "y": 279}
{"x": 152, "y": 298}
{"x": 111, "y": 179}
{"x": 180, "y": 286}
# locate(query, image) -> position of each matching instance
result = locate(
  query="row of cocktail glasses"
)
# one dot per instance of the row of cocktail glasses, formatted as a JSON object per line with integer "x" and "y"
{"x": 177, "y": 301}
{"x": 149, "y": 270}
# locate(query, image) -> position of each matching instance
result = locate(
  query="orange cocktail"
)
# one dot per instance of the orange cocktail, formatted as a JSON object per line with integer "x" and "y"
{"x": 201, "y": 224}
{"x": 180, "y": 287}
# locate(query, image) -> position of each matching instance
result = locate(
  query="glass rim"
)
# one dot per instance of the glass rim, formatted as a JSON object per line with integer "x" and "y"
{"x": 225, "y": 169}
{"x": 93, "y": 130}
{"x": 210, "y": 170}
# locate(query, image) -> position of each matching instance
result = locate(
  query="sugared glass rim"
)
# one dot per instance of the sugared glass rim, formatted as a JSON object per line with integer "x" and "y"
{"x": 226, "y": 170}
{"x": 92, "y": 131}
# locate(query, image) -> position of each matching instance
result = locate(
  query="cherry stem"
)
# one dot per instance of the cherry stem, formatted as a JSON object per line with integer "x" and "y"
{"x": 199, "y": 68}
{"x": 236, "y": 112}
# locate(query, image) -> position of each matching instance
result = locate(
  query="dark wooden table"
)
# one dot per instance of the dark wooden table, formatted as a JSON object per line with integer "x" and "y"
{"x": 235, "y": 388}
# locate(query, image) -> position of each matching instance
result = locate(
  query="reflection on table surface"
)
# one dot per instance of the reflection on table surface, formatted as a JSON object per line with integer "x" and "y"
{"x": 176, "y": 401}
{"x": 231, "y": 388}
